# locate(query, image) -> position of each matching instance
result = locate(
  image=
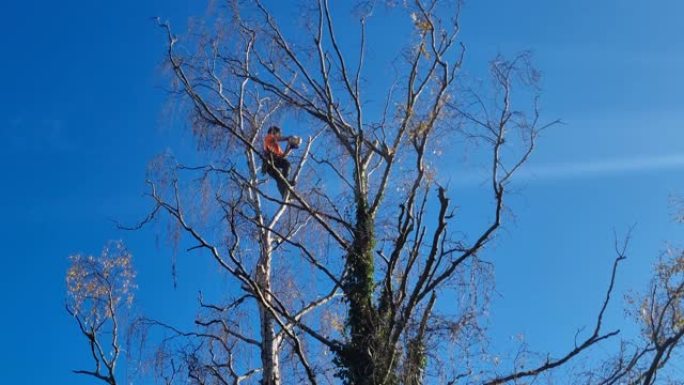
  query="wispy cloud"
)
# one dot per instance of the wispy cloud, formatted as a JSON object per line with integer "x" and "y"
{"x": 603, "y": 167}
{"x": 585, "y": 169}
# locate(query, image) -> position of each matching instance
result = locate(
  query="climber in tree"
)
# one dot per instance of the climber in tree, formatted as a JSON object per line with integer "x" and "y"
{"x": 276, "y": 165}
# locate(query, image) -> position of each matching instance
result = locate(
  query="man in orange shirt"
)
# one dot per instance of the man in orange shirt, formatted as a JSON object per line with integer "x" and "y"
{"x": 275, "y": 158}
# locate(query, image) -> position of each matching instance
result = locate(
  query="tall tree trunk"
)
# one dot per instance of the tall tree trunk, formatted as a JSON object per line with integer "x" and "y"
{"x": 364, "y": 359}
{"x": 269, "y": 342}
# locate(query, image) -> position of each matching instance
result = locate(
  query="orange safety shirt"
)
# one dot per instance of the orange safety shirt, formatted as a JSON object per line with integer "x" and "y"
{"x": 271, "y": 145}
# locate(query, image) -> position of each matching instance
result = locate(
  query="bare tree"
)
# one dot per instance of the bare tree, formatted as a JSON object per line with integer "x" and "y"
{"x": 99, "y": 288}
{"x": 660, "y": 314}
{"x": 346, "y": 272}
{"x": 388, "y": 254}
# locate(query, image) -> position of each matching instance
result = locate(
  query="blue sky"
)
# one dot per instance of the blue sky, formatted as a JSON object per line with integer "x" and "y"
{"x": 82, "y": 112}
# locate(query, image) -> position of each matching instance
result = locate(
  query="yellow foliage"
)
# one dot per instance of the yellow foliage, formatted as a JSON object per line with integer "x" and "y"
{"x": 97, "y": 286}
{"x": 424, "y": 25}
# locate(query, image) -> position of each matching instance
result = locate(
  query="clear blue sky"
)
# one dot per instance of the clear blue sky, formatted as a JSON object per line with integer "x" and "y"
{"x": 81, "y": 114}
